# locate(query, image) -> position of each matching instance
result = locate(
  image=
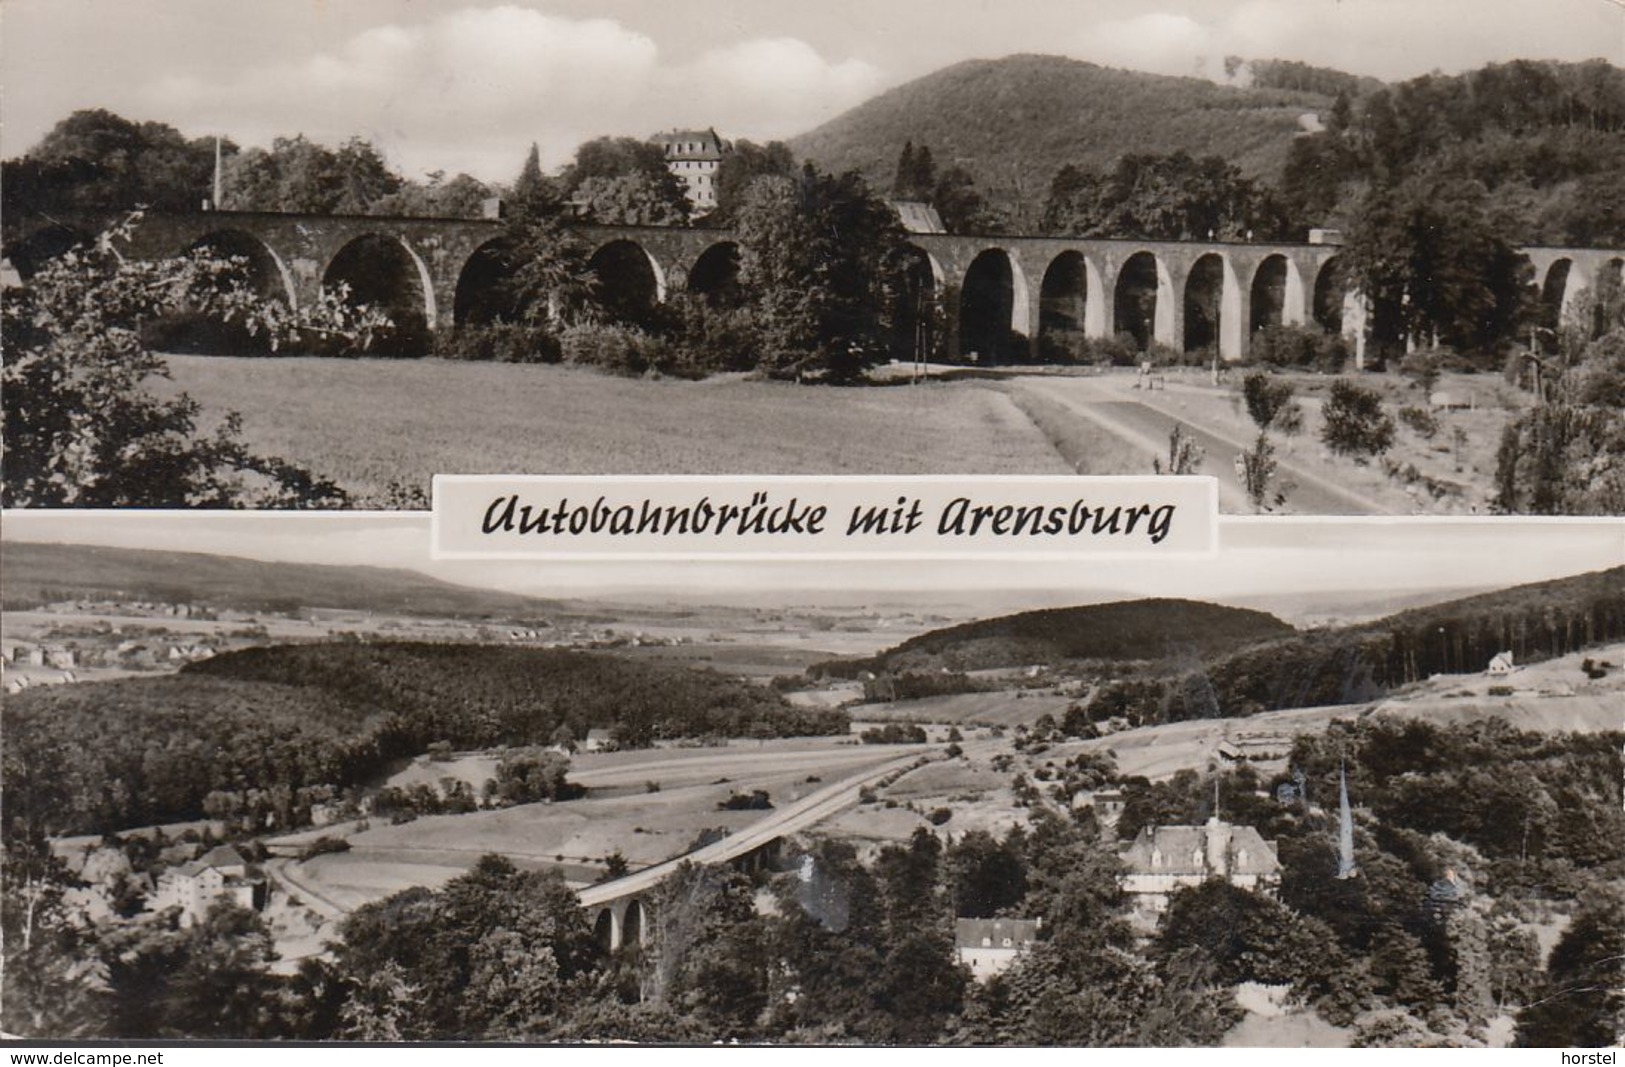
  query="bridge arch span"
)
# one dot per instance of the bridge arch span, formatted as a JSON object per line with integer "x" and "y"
{"x": 1071, "y": 303}
{"x": 715, "y": 275}
{"x": 31, "y": 253}
{"x": 994, "y": 319}
{"x": 1329, "y": 304}
{"x": 1276, "y": 293}
{"x": 1143, "y": 300}
{"x": 620, "y": 923}
{"x": 384, "y": 271}
{"x": 917, "y": 306}
{"x": 268, "y": 273}
{"x": 479, "y": 297}
{"x": 1213, "y": 307}
{"x": 631, "y": 281}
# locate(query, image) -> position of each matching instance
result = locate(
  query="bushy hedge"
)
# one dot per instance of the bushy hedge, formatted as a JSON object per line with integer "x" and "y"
{"x": 1303, "y": 347}
{"x": 499, "y": 342}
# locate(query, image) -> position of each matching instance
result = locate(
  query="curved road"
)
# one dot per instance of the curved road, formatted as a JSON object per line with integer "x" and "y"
{"x": 1141, "y": 419}
{"x": 810, "y": 809}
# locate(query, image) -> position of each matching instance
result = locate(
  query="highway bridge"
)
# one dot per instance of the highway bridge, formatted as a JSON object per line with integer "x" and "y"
{"x": 1002, "y": 298}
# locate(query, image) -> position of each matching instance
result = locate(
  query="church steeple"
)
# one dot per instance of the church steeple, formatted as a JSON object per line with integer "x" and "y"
{"x": 1345, "y": 827}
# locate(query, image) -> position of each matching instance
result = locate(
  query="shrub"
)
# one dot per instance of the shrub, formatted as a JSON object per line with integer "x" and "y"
{"x": 1355, "y": 424}
{"x": 895, "y": 733}
{"x": 702, "y": 339}
{"x": 1270, "y": 403}
{"x": 499, "y": 342}
{"x": 939, "y": 816}
{"x": 1421, "y": 420}
{"x": 755, "y": 800}
{"x": 1300, "y": 346}
{"x": 618, "y": 349}
{"x": 323, "y": 846}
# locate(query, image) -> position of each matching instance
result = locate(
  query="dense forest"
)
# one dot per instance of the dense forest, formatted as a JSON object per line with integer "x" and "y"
{"x": 1360, "y": 663}
{"x": 1544, "y": 141}
{"x": 106, "y": 756}
{"x": 1130, "y": 629}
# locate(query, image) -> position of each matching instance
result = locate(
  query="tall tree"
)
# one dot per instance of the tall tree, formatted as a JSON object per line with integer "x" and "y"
{"x": 821, "y": 258}
{"x": 1434, "y": 264}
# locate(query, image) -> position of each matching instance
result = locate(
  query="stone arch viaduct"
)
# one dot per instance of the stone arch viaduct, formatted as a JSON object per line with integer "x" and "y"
{"x": 622, "y": 910}
{"x": 1002, "y": 298}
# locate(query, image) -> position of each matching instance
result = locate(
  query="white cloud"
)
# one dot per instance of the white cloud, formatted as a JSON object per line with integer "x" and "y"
{"x": 770, "y": 87}
{"x": 467, "y": 91}
{"x": 471, "y": 89}
{"x": 1158, "y": 42}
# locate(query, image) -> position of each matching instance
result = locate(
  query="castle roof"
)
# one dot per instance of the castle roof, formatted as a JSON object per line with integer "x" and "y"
{"x": 691, "y": 144}
{"x": 1183, "y": 850}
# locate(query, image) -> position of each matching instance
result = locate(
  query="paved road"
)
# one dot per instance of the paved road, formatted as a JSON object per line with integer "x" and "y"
{"x": 1144, "y": 418}
{"x": 809, "y": 810}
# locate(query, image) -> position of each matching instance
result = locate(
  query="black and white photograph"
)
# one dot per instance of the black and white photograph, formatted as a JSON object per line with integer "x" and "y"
{"x": 1344, "y": 784}
{"x": 1347, "y": 257}
{"x": 1267, "y": 692}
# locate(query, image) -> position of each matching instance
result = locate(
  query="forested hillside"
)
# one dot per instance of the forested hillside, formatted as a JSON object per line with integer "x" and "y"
{"x": 1013, "y": 122}
{"x": 1128, "y": 630}
{"x": 33, "y": 574}
{"x": 1360, "y": 663}
{"x": 1545, "y": 141}
{"x": 281, "y": 720}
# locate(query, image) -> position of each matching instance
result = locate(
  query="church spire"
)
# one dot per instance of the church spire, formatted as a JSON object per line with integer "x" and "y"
{"x": 1345, "y": 827}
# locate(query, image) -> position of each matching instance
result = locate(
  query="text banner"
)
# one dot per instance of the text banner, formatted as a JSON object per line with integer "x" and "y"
{"x": 518, "y": 517}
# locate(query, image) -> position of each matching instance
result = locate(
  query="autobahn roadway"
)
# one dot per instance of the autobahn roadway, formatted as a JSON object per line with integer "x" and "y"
{"x": 806, "y": 812}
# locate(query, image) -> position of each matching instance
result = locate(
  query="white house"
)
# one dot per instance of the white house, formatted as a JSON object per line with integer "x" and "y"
{"x": 988, "y": 946}
{"x": 222, "y": 873}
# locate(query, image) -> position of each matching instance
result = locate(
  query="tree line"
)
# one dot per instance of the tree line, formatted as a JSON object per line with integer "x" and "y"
{"x": 289, "y": 722}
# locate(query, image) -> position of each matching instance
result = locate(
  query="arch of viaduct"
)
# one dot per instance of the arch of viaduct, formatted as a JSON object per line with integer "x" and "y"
{"x": 622, "y": 911}
{"x": 1000, "y": 296}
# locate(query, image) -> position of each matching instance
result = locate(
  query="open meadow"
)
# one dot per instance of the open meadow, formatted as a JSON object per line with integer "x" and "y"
{"x": 369, "y": 422}
{"x": 383, "y": 428}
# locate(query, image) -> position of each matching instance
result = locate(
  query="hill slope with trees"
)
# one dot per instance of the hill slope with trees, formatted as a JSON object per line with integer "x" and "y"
{"x": 282, "y": 725}
{"x": 38, "y": 573}
{"x": 1127, "y": 630}
{"x": 1013, "y": 122}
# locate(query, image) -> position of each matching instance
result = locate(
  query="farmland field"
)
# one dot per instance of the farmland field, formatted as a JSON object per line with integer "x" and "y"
{"x": 368, "y": 422}
{"x": 620, "y": 813}
{"x": 1004, "y": 708}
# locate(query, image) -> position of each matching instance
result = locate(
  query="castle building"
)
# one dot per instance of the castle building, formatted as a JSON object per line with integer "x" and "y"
{"x": 1164, "y": 858}
{"x": 694, "y": 156}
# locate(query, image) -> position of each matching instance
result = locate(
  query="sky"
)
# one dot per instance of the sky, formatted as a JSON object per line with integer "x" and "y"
{"x": 1257, "y": 559}
{"x": 466, "y": 85}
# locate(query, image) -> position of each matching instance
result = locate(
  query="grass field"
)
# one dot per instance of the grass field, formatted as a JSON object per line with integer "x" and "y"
{"x": 1004, "y": 708}
{"x": 366, "y": 423}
